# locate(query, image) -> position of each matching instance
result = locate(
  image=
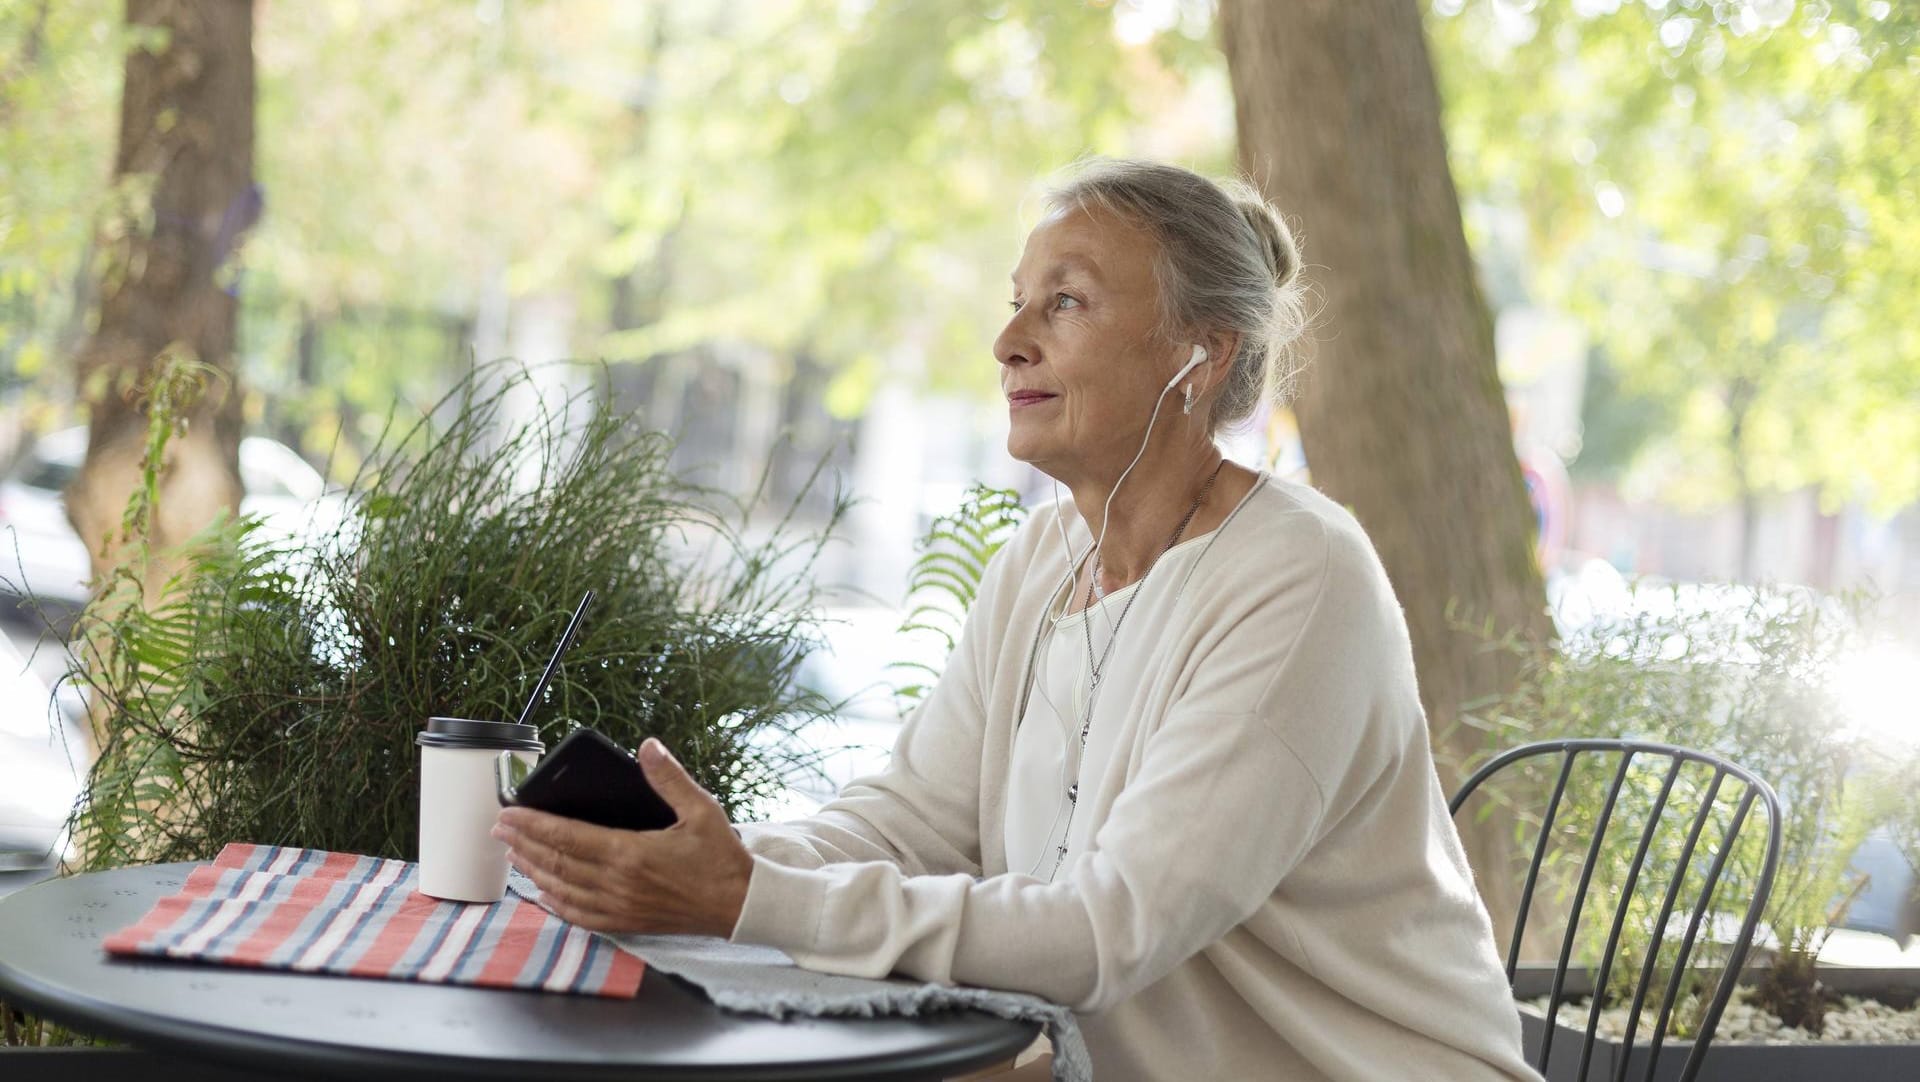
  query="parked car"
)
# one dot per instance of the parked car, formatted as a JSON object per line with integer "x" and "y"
{"x": 41, "y": 764}
{"x": 40, "y": 554}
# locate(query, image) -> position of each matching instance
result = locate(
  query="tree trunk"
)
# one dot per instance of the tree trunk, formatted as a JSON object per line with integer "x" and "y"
{"x": 170, "y": 282}
{"x": 1401, "y": 412}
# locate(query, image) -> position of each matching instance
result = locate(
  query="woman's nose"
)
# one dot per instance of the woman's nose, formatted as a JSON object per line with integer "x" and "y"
{"x": 1013, "y": 346}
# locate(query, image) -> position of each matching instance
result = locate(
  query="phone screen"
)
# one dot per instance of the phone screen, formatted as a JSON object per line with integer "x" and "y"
{"x": 588, "y": 777}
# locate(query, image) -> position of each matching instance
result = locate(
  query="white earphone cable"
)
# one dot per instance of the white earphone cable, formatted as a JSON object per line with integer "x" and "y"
{"x": 1197, "y": 358}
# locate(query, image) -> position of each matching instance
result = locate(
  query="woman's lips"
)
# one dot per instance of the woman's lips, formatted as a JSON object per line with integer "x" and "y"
{"x": 1021, "y": 399}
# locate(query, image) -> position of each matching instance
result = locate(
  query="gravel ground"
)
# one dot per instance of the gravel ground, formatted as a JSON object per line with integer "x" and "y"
{"x": 1852, "y": 1021}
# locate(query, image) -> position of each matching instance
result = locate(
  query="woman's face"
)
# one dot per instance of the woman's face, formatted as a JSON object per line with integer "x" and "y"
{"x": 1080, "y": 360}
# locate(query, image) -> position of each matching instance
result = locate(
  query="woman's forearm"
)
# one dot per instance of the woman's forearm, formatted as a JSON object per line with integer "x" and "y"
{"x": 1171, "y": 870}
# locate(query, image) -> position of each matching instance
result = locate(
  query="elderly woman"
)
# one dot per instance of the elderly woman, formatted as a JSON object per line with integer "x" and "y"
{"x": 1176, "y": 774}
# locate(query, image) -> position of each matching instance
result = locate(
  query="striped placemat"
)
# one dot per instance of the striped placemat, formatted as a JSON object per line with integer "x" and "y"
{"x": 313, "y": 911}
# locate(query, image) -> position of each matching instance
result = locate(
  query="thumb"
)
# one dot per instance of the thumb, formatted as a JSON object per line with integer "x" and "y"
{"x": 671, "y": 780}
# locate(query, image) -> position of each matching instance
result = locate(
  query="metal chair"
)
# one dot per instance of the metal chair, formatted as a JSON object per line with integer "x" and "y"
{"x": 1630, "y": 751}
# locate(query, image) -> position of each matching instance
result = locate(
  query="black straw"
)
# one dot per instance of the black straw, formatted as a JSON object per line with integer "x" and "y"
{"x": 565, "y": 638}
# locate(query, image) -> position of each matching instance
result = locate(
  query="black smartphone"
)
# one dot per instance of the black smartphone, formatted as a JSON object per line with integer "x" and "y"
{"x": 587, "y": 777}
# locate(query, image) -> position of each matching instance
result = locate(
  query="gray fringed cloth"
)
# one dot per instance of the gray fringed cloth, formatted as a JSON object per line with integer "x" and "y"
{"x": 762, "y": 980}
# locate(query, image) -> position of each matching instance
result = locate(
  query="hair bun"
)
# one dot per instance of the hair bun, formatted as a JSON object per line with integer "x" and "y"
{"x": 1276, "y": 240}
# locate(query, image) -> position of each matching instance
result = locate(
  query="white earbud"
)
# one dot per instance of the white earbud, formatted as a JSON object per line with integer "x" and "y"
{"x": 1199, "y": 358}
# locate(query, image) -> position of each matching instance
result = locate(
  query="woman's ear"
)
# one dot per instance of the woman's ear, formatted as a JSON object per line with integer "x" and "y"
{"x": 1222, "y": 347}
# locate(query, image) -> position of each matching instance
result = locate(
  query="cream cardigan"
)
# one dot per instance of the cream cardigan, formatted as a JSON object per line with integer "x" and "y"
{"x": 1264, "y": 880}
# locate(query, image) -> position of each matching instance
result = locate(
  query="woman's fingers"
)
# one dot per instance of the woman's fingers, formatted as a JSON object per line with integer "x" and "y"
{"x": 574, "y": 837}
{"x": 620, "y": 906}
{"x": 589, "y": 875}
{"x": 574, "y": 852}
{"x": 691, "y": 877}
{"x": 671, "y": 780}
{"x": 594, "y": 908}
{"x": 569, "y": 904}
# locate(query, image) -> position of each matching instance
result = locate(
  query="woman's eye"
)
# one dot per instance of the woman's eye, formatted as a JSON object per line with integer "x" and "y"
{"x": 1061, "y": 300}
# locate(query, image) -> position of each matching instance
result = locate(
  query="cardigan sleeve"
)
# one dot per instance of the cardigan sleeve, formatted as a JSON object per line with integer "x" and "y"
{"x": 1222, "y": 807}
{"x": 919, "y": 814}
{"x": 922, "y": 813}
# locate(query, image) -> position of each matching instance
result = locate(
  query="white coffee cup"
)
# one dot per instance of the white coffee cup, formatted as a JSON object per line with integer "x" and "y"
{"x": 459, "y": 801}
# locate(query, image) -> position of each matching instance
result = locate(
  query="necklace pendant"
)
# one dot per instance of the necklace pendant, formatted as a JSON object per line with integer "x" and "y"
{"x": 1073, "y": 793}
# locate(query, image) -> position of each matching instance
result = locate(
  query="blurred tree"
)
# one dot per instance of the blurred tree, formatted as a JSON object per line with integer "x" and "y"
{"x": 839, "y": 175}
{"x": 430, "y": 163}
{"x": 1402, "y": 413}
{"x": 839, "y": 179}
{"x": 850, "y": 175}
{"x": 1725, "y": 194}
{"x": 185, "y": 163}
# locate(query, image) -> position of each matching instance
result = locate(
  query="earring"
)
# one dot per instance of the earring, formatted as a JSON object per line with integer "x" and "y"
{"x": 1187, "y": 392}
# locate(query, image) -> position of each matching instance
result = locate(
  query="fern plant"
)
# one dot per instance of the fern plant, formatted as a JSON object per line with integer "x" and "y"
{"x": 138, "y": 633}
{"x": 945, "y": 578}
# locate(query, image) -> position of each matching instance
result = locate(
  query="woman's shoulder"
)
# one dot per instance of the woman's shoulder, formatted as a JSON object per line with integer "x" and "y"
{"x": 1279, "y": 503}
{"x": 1286, "y": 532}
{"x": 1304, "y": 601}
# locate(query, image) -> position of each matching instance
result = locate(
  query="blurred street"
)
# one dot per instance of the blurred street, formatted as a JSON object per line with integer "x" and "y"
{"x": 37, "y": 780}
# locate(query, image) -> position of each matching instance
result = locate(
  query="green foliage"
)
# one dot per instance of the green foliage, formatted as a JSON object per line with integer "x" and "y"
{"x": 273, "y": 693}
{"x": 842, "y": 178}
{"x": 59, "y": 83}
{"x": 1744, "y": 675}
{"x": 838, "y": 176}
{"x": 21, "y": 1030}
{"x": 1722, "y": 193}
{"x": 945, "y": 578}
{"x": 798, "y": 174}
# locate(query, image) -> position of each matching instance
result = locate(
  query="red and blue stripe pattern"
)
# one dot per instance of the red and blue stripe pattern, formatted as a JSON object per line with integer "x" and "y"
{"x": 312, "y": 911}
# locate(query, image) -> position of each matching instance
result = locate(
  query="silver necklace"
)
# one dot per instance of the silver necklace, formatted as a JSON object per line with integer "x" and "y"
{"x": 1095, "y": 667}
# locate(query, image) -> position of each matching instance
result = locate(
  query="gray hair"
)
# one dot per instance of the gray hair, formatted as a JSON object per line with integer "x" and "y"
{"x": 1226, "y": 263}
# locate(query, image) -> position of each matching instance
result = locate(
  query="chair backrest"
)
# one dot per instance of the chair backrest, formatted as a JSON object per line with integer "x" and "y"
{"x": 1629, "y": 752}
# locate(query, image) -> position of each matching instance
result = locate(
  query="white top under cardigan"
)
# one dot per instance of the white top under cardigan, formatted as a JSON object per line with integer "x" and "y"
{"x": 1048, "y": 759}
{"x": 1262, "y": 879}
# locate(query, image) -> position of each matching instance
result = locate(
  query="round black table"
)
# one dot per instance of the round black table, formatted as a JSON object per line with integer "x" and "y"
{"x": 51, "y": 963}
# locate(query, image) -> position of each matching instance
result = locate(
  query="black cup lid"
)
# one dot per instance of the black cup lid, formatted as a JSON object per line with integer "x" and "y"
{"x": 468, "y": 733}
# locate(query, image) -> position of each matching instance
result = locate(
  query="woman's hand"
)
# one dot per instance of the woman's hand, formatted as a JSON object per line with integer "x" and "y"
{"x": 689, "y": 878}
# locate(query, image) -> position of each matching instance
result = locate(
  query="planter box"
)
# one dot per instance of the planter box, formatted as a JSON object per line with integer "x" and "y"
{"x": 1728, "y": 1061}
